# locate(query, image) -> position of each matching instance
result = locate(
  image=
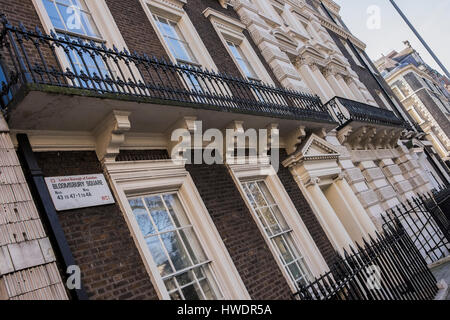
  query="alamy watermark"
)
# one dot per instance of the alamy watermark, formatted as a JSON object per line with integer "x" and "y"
{"x": 374, "y": 280}
{"x": 231, "y": 146}
{"x": 74, "y": 279}
{"x": 374, "y": 17}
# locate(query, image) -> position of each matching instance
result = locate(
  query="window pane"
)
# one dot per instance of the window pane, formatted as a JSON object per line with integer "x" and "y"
{"x": 166, "y": 29}
{"x": 295, "y": 271}
{"x": 185, "y": 278}
{"x": 174, "y": 205}
{"x": 142, "y": 217}
{"x": 89, "y": 25}
{"x": 176, "y": 296}
{"x": 283, "y": 250}
{"x": 159, "y": 256}
{"x": 269, "y": 218}
{"x": 3, "y": 79}
{"x": 72, "y": 18}
{"x": 233, "y": 49}
{"x": 192, "y": 292}
{"x": 193, "y": 246}
{"x": 159, "y": 214}
{"x": 257, "y": 195}
{"x": 53, "y": 14}
{"x": 176, "y": 251}
{"x": 178, "y": 50}
{"x": 170, "y": 285}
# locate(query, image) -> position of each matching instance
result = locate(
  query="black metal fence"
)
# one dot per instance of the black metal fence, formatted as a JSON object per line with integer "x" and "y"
{"x": 442, "y": 199}
{"x": 388, "y": 268}
{"x": 358, "y": 111}
{"x": 60, "y": 60}
{"x": 426, "y": 224}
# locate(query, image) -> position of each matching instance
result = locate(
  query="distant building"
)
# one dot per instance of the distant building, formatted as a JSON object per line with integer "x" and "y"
{"x": 423, "y": 92}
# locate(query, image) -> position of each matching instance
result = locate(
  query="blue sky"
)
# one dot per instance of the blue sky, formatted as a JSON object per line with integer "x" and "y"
{"x": 431, "y": 18}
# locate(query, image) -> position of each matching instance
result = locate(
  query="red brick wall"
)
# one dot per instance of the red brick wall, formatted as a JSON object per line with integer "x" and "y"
{"x": 308, "y": 217}
{"x": 20, "y": 11}
{"x": 99, "y": 237}
{"x": 135, "y": 27}
{"x": 239, "y": 232}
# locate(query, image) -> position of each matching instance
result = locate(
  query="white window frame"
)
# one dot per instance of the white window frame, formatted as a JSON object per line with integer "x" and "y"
{"x": 261, "y": 170}
{"x": 105, "y": 23}
{"x": 231, "y": 30}
{"x": 173, "y": 10}
{"x": 402, "y": 96}
{"x": 368, "y": 63}
{"x": 352, "y": 54}
{"x": 384, "y": 100}
{"x": 160, "y": 176}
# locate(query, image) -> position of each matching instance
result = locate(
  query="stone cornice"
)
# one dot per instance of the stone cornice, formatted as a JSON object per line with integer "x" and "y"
{"x": 341, "y": 32}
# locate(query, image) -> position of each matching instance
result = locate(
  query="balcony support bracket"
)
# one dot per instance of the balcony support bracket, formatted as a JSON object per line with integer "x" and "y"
{"x": 110, "y": 135}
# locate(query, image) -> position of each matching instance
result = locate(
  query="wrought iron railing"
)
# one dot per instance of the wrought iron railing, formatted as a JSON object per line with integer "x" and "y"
{"x": 425, "y": 223}
{"x": 345, "y": 110}
{"x": 63, "y": 61}
{"x": 388, "y": 268}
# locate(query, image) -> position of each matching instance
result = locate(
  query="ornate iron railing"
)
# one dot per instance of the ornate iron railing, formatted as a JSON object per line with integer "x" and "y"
{"x": 60, "y": 60}
{"x": 425, "y": 223}
{"x": 345, "y": 110}
{"x": 388, "y": 268}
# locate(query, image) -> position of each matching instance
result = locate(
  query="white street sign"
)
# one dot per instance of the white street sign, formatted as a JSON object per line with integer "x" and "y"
{"x": 74, "y": 192}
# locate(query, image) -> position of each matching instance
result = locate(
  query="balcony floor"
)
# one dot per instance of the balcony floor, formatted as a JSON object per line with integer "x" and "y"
{"x": 45, "y": 107}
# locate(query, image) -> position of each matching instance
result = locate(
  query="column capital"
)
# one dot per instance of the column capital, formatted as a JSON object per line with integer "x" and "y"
{"x": 312, "y": 181}
{"x": 341, "y": 176}
{"x": 329, "y": 71}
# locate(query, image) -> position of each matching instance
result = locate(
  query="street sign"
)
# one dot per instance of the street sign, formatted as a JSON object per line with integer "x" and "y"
{"x": 73, "y": 192}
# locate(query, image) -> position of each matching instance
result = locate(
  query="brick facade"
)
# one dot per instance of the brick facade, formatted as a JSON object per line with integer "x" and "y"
{"x": 99, "y": 237}
{"x": 105, "y": 251}
{"x": 239, "y": 232}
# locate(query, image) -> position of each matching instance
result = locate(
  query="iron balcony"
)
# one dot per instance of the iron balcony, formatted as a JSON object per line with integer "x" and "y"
{"x": 345, "y": 111}
{"x": 32, "y": 58}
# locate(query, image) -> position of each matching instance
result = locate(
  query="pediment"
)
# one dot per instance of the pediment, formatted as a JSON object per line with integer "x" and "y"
{"x": 309, "y": 50}
{"x": 317, "y": 148}
{"x": 283, "y": 36}
{"x": 313, "y": 149}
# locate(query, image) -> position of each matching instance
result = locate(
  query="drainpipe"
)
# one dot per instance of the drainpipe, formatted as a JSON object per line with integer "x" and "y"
{"x": 44, "y": 203}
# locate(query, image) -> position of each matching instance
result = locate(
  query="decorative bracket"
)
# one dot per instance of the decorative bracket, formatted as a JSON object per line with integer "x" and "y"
{"x": 344, "y": 134}
{"x": 294, "y": 139}
{"x": 110, "y": 135}
{"x": 187, "y": 127}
